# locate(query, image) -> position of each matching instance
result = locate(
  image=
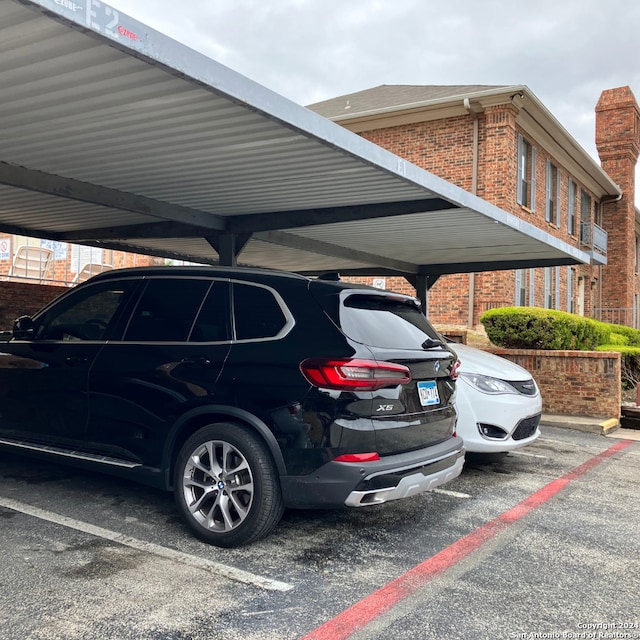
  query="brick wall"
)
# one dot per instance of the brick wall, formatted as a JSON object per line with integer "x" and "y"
{"x": 579, "y": 383}
{"x": 618, "y": 143}
{"x": 17, "y": 298}
{"x": 445, "y": 147}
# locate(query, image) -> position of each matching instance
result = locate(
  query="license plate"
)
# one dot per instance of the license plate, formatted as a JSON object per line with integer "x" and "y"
{"x": 428, "y": 392}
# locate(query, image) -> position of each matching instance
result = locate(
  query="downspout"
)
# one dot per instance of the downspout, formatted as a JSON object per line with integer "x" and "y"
{"x": 473, "y": 111}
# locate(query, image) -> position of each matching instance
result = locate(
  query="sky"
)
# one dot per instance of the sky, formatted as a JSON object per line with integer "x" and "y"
{"x": 566, "y": 51}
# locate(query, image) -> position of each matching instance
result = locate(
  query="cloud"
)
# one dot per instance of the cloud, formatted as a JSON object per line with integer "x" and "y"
{"x": 566, "y": 52}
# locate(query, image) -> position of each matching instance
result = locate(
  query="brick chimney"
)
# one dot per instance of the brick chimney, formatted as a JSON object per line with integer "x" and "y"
{"x": 618, "y": 144}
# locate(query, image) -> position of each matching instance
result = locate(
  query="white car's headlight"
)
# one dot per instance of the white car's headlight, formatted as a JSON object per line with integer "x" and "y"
{"x": 487, "y": 384}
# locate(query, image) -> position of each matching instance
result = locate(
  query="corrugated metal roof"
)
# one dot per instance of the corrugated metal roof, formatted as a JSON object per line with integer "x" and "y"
{"x": 113, "y": 134}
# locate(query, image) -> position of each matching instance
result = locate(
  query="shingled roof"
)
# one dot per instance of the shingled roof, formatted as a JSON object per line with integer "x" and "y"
{"x": 388, "y": 96}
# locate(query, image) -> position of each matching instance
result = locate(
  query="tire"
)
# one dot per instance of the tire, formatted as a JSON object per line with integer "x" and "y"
{"x": 226, "y": 485}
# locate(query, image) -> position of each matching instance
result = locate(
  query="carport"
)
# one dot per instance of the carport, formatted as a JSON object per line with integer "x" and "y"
{"x": 114, "y": 135}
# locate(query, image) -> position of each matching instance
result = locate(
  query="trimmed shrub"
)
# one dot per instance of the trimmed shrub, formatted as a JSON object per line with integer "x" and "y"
{"x": 535, "y": 328}
{"x": 618, "y": 339}
{"x": 631, "y": 335}
{"x": 629, "y": 363}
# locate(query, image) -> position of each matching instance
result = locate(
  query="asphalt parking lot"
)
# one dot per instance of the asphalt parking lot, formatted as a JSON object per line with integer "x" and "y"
{"x": 543, "y": 544}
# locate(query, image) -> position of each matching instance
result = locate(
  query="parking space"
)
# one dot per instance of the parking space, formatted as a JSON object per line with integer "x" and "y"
{"x": 544, "y": 541}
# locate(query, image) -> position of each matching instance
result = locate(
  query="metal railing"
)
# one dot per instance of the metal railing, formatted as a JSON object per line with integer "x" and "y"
{"x": 628, "y": 316}
{"x": 591, "y": 235}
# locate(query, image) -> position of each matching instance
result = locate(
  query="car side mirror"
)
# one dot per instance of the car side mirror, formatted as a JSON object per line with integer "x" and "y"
{"x": 24, "y": 328}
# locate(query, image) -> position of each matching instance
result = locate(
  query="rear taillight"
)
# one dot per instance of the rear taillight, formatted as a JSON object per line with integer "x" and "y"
{"x": 358, "y": 457}
{"x": 454, "y": 370}
{"x": 353, "y": 374}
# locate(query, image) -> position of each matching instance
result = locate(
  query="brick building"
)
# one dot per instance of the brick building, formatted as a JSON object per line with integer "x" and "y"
{"x": 503, "y": 144}
{"x": 500, "y": 143}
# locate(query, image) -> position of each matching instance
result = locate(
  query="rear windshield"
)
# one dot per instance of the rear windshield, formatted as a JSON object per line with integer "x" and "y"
{"x": 385, "y": 322}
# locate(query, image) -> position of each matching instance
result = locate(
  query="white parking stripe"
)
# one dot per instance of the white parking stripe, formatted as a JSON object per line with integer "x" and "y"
{"x": 231, "y": 573}
{"x": 527, "y": 454}
{"x": 579, "y": 445}
{"x": 453, "y": 494}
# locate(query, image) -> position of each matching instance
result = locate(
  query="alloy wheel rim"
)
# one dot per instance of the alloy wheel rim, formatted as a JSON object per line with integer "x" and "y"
{"x": 218, "y": 486}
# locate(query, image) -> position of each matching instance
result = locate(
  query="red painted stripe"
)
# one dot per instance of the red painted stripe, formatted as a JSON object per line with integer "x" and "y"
{"x": 385, "y": 598}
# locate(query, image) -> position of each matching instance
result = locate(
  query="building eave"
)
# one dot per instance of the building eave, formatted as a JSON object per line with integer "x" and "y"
{"x": 533, "y": 118}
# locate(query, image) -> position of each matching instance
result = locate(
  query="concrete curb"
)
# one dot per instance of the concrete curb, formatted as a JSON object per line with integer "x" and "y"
{"x": 602, "y": 426}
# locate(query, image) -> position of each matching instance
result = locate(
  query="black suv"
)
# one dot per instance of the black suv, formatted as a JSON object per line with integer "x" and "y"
{"x": 244, "y": 391}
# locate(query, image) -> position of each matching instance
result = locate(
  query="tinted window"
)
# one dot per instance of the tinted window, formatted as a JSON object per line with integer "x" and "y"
{"x": 385, "y": 322}
{"x": 214, "y": 320}
{"x": 166, "y": 310}
{"x": 87, "y": 314}
{"x": 257, "y": 313}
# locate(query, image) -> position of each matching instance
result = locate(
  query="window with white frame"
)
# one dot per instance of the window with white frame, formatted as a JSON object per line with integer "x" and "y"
{"x": 571, "y": 274}
{"x": 526, "y": 186}
{"x": 521, "y": 288}
{"x": 571, "y": 216}
{"x": 549, "y": 287}
{"x": 552, "y": 200}
{"x": 532, "y": 283}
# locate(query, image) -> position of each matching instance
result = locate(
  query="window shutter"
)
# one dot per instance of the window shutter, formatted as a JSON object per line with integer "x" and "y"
{"x": 548, "y": 192}
{"x": 533, "y": 179}
{"x": 520, "y": 168}
{"x": 557, "y": 296}
{"x": 572, "y": 208}
{"x": 558, "y": 188}
{"x": 518, "y": 286}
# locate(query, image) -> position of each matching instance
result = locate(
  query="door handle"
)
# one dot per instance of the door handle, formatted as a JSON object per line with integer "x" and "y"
{"x": 73, "y": 361}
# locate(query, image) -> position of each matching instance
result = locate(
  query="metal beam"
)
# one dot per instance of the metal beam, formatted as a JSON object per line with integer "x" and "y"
{"x": 496, "y": 265}
{"x": 160, "y": 229}
{"x": 325, "y": 248}
{"x": 229, "y": 246}
{"x": 254, "y": 222}
{"x": 53, "y": 185}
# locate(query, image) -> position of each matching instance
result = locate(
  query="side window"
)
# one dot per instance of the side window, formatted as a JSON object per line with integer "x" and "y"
{"x": 552, "y": 200}
{"x": 521, "y": 287}
{"x": 166, "y": 310}
{"x": 257, "y": 313}
{"x": 213, "y": 323}
{"x": 86, "y": 314}
{"x": 585, "y": 218}
{"x": 526, "y": 182}
{"x": 570, "y": 288}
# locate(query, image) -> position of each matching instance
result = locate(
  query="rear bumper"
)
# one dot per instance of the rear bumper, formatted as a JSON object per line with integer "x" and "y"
{"x": 338, "y": 484}
{"x": 411, "y": 483}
